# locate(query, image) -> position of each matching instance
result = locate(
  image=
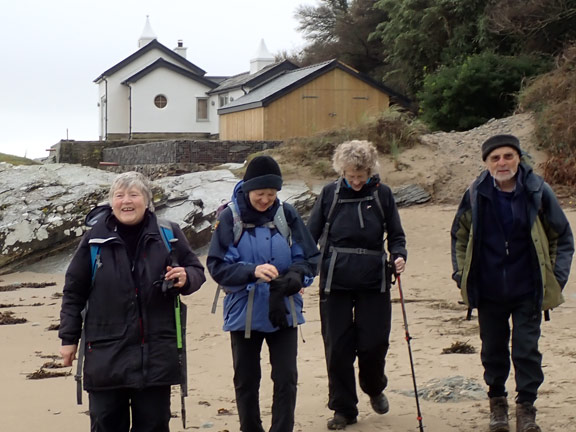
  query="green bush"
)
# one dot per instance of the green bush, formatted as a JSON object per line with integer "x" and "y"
{"x": 484, "y": 86}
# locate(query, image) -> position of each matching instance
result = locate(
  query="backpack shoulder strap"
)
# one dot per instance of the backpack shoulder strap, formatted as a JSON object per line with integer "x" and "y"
{"x": 165, "y": 228}
{"x": 237, "y": 224}
{"x": 281, "y": 224}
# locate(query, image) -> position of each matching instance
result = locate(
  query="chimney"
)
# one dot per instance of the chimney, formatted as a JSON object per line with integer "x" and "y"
{"x": 180, "y": 49}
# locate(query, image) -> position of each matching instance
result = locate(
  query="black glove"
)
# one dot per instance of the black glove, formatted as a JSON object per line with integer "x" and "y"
{"x": 276, "y": 307}
{"x": 292, "y": 282}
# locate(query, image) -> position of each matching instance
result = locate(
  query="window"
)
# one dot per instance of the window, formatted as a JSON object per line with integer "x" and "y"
{"x": 160, "y": 101}
{"x": 202, "y": 109}
{"x": 222, "y": 100}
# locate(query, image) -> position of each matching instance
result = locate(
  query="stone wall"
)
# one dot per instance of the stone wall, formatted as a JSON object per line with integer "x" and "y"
{"x": 200, "y": 152}
{"x": 87, "y": 153}
{"x": 181, "y": 155}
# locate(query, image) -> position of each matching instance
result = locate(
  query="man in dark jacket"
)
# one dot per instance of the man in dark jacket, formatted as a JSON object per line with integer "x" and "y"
{"x": 512, "y": 249}
{"x": 131, "y": 355}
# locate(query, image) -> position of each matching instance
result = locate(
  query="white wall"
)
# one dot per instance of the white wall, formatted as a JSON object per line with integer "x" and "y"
{"x": 179, "y": 115}
{"x": 118, "y": 117}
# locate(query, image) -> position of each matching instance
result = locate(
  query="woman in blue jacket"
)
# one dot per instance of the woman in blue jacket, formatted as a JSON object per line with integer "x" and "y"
{"x": 262, "y": 255}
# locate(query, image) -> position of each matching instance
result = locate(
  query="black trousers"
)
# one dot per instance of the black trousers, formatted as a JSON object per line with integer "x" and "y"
{"x": 355, "y": 324}
{"x": 150, "y": 407}
{"x": 283, "y": 349}
{"x": 494, "y": 321}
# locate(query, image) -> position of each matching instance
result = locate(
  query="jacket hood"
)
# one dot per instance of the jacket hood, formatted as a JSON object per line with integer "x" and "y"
{"x": 97, "y": 214}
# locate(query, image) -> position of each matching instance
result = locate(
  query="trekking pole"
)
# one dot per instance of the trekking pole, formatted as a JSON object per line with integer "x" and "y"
{"x": 179, "y": 316}
{"x": 408, "y": 337}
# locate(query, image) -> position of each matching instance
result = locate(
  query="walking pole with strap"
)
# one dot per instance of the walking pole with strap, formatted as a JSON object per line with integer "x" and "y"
{"x": 408, "y": 338}
{"x": 180, "y": 319}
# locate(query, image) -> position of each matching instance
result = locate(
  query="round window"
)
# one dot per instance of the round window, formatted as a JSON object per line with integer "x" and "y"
{"x": 160, "y": 101}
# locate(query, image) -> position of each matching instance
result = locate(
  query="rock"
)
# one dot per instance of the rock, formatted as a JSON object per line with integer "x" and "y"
{"x": 410, "y": 195}
{"x": 43, "y": 207}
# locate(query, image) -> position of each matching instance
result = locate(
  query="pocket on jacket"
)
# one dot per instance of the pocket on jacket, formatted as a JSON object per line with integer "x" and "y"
{"x": 357, "y": 271}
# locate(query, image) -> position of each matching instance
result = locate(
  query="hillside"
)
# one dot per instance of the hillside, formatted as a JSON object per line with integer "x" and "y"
{"x": 445, "y": 163}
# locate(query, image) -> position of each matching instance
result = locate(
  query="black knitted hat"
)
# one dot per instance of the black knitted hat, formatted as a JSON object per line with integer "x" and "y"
{"x": 497, "y": 141}
{"x": 262, "y": 172}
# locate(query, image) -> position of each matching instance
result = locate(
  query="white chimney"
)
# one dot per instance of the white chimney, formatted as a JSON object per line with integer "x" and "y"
{"x": 180, "y": 49}
{"x": 261, "y": 58}
{"x": 148, "y": 34}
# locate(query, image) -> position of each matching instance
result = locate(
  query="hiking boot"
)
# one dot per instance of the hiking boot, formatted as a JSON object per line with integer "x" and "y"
{"x": 526, "y": 418}
{"x": 340, "y": 421}
{"x": 380, "y": 403}
{"x": 499, "y": 414}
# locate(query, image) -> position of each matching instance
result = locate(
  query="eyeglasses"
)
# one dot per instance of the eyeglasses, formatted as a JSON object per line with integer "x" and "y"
{"x": 506, "y": 156}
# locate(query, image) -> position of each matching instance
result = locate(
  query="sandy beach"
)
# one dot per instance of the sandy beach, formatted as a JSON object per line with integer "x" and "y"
{"x": 436, "y": 321}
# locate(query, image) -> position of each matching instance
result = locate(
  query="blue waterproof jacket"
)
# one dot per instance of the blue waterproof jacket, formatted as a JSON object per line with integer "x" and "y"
{"x": 232, "y": 265}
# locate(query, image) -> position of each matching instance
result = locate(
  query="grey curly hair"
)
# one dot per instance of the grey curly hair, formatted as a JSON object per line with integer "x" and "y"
{"x": 129, "y": 180}
{"x": 356, "y": 154}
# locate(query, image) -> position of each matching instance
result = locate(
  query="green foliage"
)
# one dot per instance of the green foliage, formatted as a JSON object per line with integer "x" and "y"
{"x": 421, "y": 35}
{"x": 482, "y": 87}
{"x": 16, "y": 160}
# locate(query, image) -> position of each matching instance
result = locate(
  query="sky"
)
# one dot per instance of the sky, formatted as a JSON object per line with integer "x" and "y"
{"x": 51, "y": 52}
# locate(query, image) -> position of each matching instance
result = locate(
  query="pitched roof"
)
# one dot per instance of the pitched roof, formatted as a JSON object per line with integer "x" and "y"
{"x": 253, "y": 80}
{"x": 149, "y": 47}
{"x": 287, "y": 82}
{"x": 161, "y": 63}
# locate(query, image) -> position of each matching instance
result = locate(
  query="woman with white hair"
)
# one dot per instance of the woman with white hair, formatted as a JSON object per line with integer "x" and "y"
{"x": 118, "y": 276}
{"x": 355, "y": 220}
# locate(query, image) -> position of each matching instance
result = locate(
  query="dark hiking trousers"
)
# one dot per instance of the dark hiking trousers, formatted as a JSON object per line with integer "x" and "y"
{"x": 150, "y": 407}
{"x": 355, "y": 324}
{"x": 283, "y": 349}
{"x": 494, "y": 324}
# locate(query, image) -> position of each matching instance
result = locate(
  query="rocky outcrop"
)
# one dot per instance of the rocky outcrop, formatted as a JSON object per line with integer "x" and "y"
{"x": 42, "y": 208}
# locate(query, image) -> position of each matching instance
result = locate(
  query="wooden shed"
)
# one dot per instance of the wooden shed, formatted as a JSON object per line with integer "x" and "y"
{"x": 303, "y": 102}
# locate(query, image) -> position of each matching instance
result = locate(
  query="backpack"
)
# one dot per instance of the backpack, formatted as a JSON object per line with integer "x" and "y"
{"x": 238, "y": 226}
{"x": 323, "y": 241}
{"x": 279, "y": 222}
{"x": 167, "y": 235}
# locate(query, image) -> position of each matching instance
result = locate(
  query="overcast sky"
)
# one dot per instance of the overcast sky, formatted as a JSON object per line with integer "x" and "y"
{"x": 51, "y": 52}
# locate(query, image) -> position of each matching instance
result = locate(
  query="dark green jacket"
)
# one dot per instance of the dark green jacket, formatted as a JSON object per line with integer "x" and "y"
{"x": 550, "y": 233}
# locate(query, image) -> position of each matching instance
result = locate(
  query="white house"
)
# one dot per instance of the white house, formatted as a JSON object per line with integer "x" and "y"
{"x": 156, "y": 91}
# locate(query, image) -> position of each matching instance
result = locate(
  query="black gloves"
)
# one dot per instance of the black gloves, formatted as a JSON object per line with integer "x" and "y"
{"x": 292, "y": 282}
{"x": 283, "y": 286}
{"x": 276, "y": 307}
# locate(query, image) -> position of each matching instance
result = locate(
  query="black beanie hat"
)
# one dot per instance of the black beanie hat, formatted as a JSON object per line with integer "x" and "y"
{"x": 497, "y": 141}
{"x": 262, "y": 172}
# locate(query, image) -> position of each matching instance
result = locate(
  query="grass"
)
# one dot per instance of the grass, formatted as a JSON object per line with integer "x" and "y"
{"x": 17, "y": 160}
{"x": 551, "y": 97}
{"x": 391, "y": 132}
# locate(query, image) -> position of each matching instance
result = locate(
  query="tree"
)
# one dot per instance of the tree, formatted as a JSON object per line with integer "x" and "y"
{"x": 341, "y": 29}
{"x": 421, "y": 35}
{"x": 482, "y": 87}
{"x": 543, "y": 26}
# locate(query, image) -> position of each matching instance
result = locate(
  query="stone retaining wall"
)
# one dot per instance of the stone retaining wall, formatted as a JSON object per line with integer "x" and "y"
{"x": 183, "y": 155}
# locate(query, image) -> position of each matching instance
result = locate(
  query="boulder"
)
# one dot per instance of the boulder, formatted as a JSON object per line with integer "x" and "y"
{"x": 42, "y": 208}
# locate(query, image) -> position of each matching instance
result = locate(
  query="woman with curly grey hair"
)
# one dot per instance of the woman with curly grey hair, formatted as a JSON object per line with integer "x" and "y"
{"x": 356, "y": 223}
